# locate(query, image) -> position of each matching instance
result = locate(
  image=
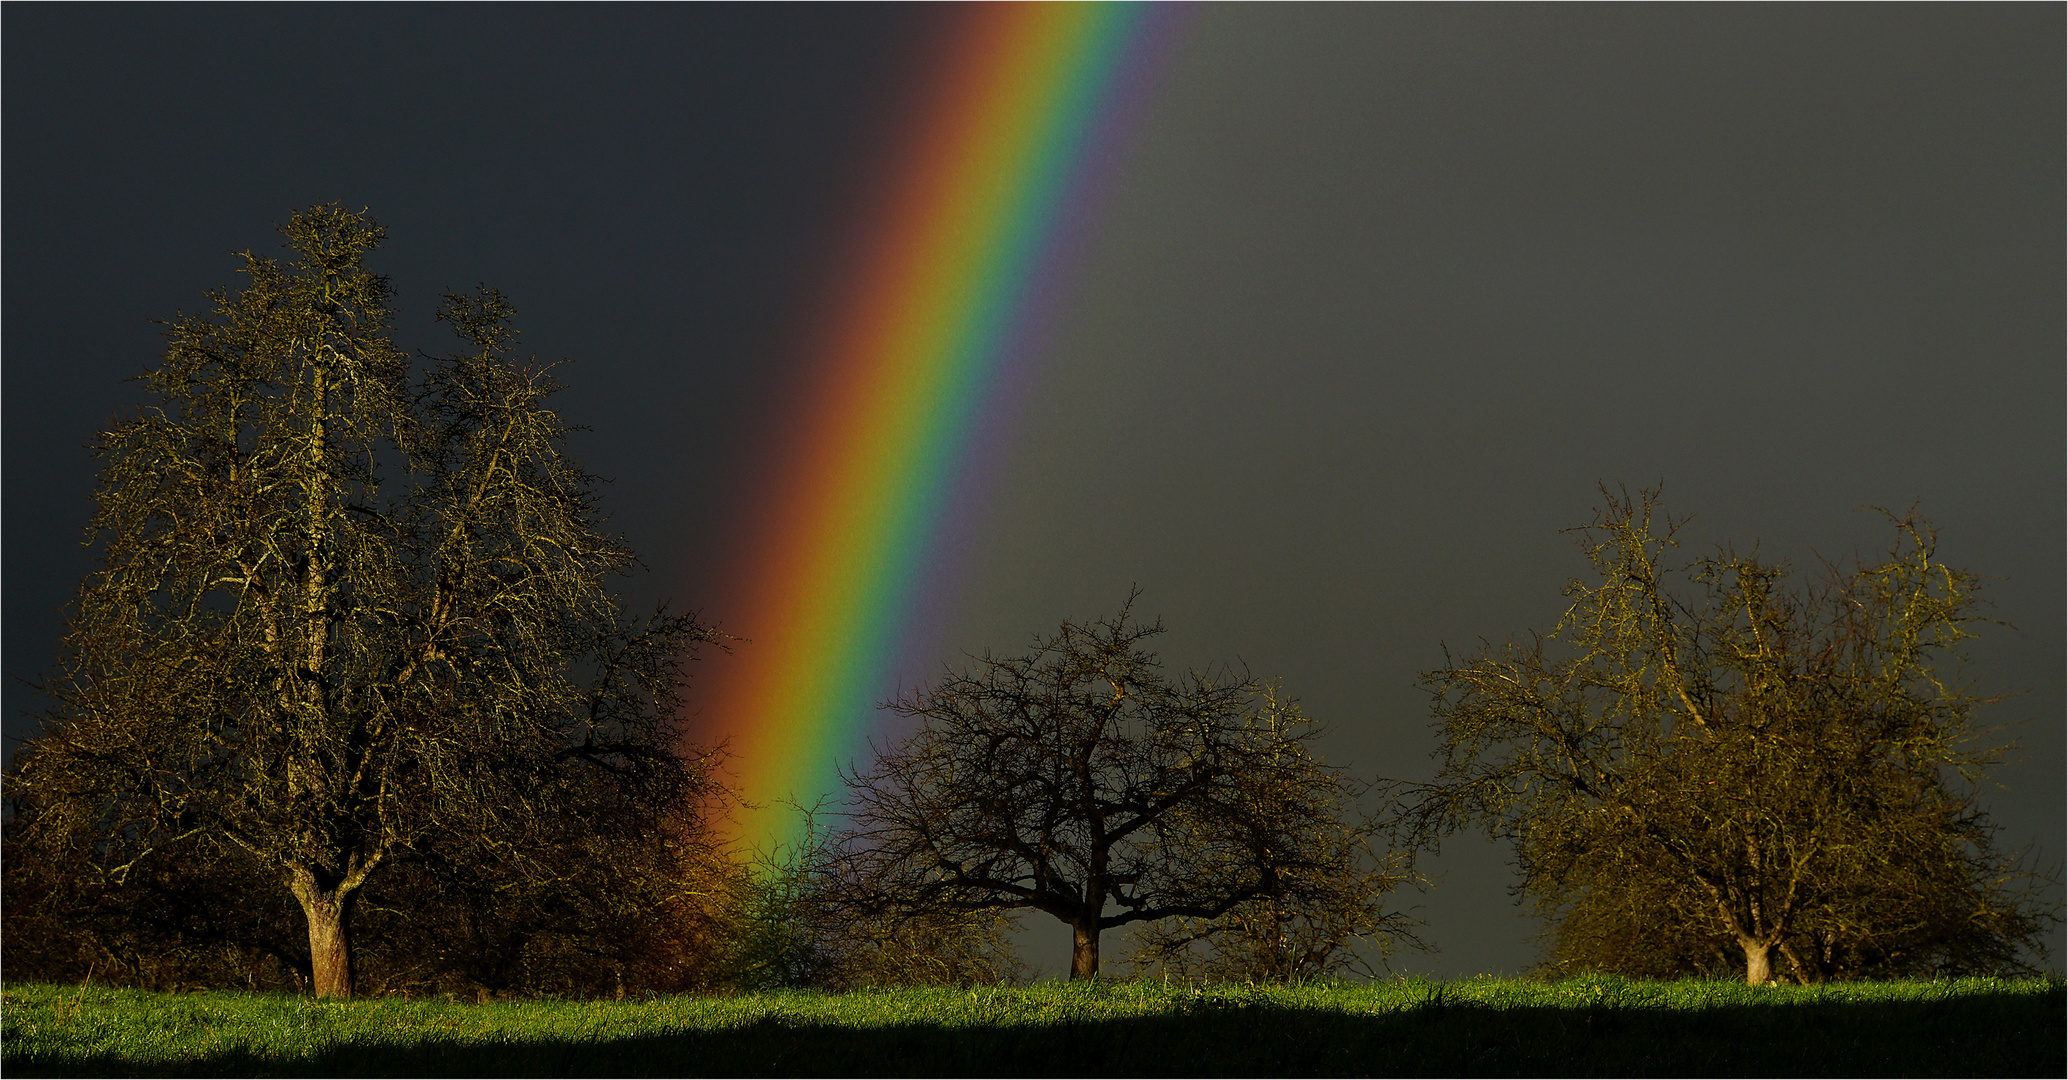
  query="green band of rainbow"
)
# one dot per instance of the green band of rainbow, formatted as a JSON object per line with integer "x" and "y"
{"x": 837, "y": 551}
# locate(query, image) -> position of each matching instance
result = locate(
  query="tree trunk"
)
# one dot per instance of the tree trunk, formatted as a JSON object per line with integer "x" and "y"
{"x": 1759, "y": 960}
{"x": 1084, "y": 951}
{"x": 330, "y": 951}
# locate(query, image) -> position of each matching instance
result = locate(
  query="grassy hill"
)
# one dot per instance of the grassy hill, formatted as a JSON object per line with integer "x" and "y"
{"x": 1608, "y": 1027}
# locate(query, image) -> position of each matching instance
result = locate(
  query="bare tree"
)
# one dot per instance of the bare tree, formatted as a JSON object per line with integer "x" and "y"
{"x": 344, "y": 616}
{"x": 1079, "y": 780}
{"x": 1711, "y": 762}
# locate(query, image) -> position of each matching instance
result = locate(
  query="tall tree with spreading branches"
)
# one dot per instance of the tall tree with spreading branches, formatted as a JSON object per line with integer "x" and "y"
{"x": 1081, "y": 781}
{"x": 346, "y": 616}
{"x": 1714, "y": 765}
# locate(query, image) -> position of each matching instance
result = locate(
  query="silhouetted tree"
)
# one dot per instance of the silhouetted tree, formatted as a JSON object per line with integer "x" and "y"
{"x": 347, "y": 619}
{"x": 1081, "y": 781}
{"x": 1709, "y": 762}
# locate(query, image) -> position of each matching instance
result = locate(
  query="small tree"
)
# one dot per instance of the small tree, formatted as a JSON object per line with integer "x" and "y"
{"x": 344, "y": 617}
{"x": 1709, "y": 762}
{"x": 1335, "y": 922}
{"x": 790, "y": 933}
{"x": 1080, "y": 781}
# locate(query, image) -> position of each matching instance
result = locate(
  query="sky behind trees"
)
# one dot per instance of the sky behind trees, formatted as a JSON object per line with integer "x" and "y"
{"x": 1379, "y": 295}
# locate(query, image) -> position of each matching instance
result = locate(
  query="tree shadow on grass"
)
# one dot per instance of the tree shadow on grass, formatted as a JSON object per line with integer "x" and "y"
{"x": 1988, "y": 1035}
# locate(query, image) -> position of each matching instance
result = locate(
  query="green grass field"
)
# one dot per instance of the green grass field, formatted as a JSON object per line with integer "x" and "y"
{"x": 1488, "y": 1027}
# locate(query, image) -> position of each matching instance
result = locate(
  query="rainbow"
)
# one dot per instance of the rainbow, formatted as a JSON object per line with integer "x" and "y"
{"x": 844, "y": 539}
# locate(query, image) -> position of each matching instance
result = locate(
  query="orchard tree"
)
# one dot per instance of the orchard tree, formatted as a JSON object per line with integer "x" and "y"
{"x": 1081, "y": 781}
{"x": 1717, "y": 764}
{"x": 345, "y": 616}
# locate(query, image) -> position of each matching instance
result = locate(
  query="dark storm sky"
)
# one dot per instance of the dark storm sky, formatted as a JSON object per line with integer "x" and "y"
{"x": 1380, "y": 296}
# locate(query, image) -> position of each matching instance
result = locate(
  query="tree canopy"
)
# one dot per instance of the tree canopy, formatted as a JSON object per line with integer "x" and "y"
{"x": 1081, "y": 781}
{"x": 348, "y": 617}
{"x": 1712, "y": 764}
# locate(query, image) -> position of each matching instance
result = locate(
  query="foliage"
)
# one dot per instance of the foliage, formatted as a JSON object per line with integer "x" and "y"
{"x": 1597, "y": 1027}
{"x": 614, "y": 921}
{"x": 1079, "y": 778}
{"x": 1709, "y": 762}
{"x": 351, "y": 624}
{"x": 792, "y": 932}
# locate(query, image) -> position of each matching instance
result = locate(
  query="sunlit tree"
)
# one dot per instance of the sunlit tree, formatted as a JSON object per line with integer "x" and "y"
{"x": 1717, "y": 763}
{"x": 345, "y": 616}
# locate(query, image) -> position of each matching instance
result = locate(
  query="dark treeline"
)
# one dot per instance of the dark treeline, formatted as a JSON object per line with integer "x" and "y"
{"x": 350, "y": 707}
